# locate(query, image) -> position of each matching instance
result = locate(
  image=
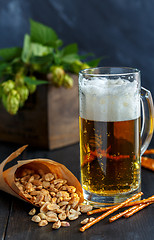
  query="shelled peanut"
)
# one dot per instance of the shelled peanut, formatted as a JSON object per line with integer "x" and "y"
{"x": 56, "y": 199}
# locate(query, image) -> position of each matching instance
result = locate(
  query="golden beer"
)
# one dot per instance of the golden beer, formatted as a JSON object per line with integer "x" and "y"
{"x": 110, "y": 156}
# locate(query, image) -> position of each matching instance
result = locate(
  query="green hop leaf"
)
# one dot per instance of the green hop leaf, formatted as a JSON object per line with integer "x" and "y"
{"x": 58, "y": 74}
{"x": 12, "y": 102}
{"x": 10, "y": 53}
{"x": 33, "y": 80}
{"x": 8, "y": 86}
{"x": 95, "y": 62}
{"x": 24, "y": 93}
{"x": 76, "y": 66}
{"x": 43, "y": 34}
{"x": 68, "y": 81}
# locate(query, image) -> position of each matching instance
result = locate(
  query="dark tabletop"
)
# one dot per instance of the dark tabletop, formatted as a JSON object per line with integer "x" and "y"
{"x": 15, "y": 223}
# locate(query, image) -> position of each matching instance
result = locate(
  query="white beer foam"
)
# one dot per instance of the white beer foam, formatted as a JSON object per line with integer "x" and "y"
{"x": 109, "y": 100}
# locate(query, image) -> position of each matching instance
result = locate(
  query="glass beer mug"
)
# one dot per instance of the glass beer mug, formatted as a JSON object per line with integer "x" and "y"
{"x": 111, "y": 137}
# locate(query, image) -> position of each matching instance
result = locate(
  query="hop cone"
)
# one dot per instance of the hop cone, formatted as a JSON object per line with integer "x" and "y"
{"x": 31, "y": 88}
{"x": 12, "y": 102}
{"x": 8, "y": 86}
{"x": 68, "y": 81}
{"x": 23, "y": 93}
{"x": 58, "y": 74}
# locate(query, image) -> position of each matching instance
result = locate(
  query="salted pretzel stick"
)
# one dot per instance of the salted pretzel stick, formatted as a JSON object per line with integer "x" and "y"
{"x": 130, "y": 211}
{"x": 105, "y": 209}
{"x": 149, "y": 151}
{"x": 98, "y": 210}
{"x": 138, "y": 208}
{"x": 119, "y": 215}
{"x": 147, "y": 163}
{"x": 96, "y": 220}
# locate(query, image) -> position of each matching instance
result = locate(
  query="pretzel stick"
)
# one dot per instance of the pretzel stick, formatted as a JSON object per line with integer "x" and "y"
{"x": 147, "y": 163}
{"x": 98, "y": 210}
{"x": 119, "y": 215}
{"x": 130, "y": 213}
{"x": 105, "y": 209}
{"x": 96, "y": 220}
{"x": 149, "y": 151}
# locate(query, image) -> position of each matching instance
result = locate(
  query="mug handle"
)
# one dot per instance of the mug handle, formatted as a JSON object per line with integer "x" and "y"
{"x": 147, "y": 120}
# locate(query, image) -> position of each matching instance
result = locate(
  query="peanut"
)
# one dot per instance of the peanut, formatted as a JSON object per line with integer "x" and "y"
{"x": 36, "y": 218}
{"x": 56, "y": 225}
{"x": 48, "y": 177}
{"x": 84, "y": 221}
{"x": 42, "y": 216}
{"x": 32, "y": 212}
{"x": 65, "y": 224}
{"x": 62, "y": 216}
{"x": 52, "y": 218}
{"x": 43, "y": 223}
{"x": 85, "y": 208}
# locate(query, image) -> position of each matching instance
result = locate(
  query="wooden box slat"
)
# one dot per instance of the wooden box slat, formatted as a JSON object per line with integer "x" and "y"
{"x": 63, "y": 115}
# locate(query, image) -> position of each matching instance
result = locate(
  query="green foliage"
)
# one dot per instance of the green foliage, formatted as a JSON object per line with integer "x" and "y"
{"x": 8, "y": 54}
{"x": 34, "y": 50}
{"x": 42, "y": 53}
{"x": 25, "y": 56}
{"x": 69, "y": 58}
{"x": 94, "y": 63}
{"x": 44, "y": 35}
{"x": 3, "y": 68}
{"x": 36, "y": 82}
{"x": 70, "y": 49}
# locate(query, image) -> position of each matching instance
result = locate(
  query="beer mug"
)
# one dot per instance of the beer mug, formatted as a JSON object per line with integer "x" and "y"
{"x": 111, "y": 137}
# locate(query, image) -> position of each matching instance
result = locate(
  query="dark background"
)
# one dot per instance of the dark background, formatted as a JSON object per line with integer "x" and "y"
{"x": 120, "y": 30}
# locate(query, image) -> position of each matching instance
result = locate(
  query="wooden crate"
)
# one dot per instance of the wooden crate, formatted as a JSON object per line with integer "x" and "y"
{"x": 49, "y": 119}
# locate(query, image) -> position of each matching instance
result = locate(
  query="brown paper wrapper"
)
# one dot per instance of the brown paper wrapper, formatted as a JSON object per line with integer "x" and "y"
{"x": 7, "y": 177}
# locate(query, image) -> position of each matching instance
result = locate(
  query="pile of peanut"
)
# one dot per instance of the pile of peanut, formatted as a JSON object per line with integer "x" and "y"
{"x": 57, "y": 200}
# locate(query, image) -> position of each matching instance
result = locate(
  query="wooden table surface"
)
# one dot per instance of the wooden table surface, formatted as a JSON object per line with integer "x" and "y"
{"x": 15, "y": 223}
